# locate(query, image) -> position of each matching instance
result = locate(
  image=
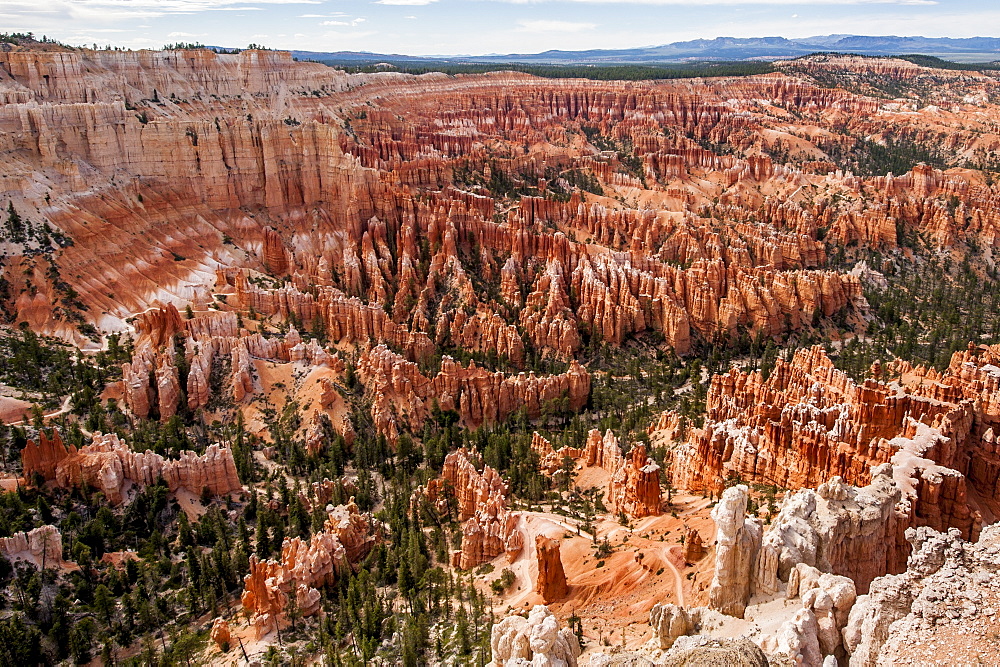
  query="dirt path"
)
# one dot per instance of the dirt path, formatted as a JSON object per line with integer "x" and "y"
{"x": 678, "y": 582}
{"x": 64, "y": 408}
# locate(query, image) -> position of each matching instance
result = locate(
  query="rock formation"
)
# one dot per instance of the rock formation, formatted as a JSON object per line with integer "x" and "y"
{"x": 945, "y": 597}
{"x": 815, "y": 630}
{"x": 694, "y": 547}
{"x": 698, "y": 650}
{"x": 738, "y": 540}
{"x": 635, "y": 486}
{"x": 551, "y": 581}
{"x": 535, "y": 640}
{"x": 108, "y": 465}
{"x": 669, "y": 622}
{"x": 151, "y": 379}
{"x": 40, "y": 546}
{"x": 490, "y": 528}
{"x": 220, "y": 633}
{"x": 341, "y": 241}
{"x": 44, "y": 457}
{"x": 603, "y": 452}
{"x": 857, "y": 535}
{"x": 304, "y": 567}
{"x": 690, "y": 651}
{"x": 550, "y": 460}
{"x": 809, "y": 425}
{"x": 518, "y": 221}
{"x": 480, "y": 397}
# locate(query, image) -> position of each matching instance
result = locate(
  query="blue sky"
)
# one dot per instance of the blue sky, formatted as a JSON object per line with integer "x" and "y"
{"x": 426, "y": 27}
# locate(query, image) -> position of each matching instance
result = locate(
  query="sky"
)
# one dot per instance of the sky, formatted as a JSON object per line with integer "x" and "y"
{"x": 477, "y": 27}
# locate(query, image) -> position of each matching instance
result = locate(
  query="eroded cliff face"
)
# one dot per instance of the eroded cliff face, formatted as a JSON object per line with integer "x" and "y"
{"x": 327, "y": 220}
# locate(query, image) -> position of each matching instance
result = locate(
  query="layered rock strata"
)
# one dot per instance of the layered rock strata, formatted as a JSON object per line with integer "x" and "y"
{"x": 809, "y": 425}
{"x": 382, "y": 229}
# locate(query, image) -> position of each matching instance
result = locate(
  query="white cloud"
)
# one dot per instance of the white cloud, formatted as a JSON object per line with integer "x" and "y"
{"x": 102, "y": 11}
{"x": 554, "y": 26}
{"x": 404, "y": 3}
{"x": 410, "y": 18}
{"x": 353, "y": 23}
{"x": 184, "y": 34}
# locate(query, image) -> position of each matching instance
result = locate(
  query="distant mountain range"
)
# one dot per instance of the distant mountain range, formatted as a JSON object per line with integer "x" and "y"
{"x": 972, "y": 49}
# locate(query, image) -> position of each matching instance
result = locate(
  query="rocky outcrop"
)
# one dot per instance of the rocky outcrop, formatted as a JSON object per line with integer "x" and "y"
{"x": 536, "y": 640}
{"x": 635, "y": 486}
{"x": 41, "y": 547}
{"x": 738, "y": 540}
{"x": 551, "y": 460}
{"x": 108, "y": 465}
{"x": 305, "y": 566}
{"x": 152, "y": 380}
{"x": 603, "y": 452}
{"x": 669, "y": 622}
{"x": 857, "y": 535}
{"x": 490, "y": 528}
{"x": 551, "y": 581}
{"x": 944, "y": 592}
{"x": 43, "y": 458}
{"x": 700, "y": 650}
{"x": 694, "y": 547}
{"x": 220, "y": 633}
{"x": 815, "y": 630}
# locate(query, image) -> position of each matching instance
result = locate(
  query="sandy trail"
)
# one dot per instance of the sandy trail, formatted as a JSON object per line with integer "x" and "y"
{"x": 678, "y": 582}
{"x": 63, "y": 409}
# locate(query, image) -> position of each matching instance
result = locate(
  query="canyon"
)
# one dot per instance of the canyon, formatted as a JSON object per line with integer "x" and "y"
{"x": 405, "y": 326}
